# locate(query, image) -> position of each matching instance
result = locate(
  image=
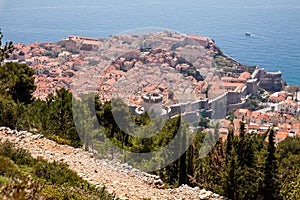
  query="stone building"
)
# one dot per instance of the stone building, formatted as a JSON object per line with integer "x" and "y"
{"x": 271, "y": 81}
{"x": 288, "y": 106}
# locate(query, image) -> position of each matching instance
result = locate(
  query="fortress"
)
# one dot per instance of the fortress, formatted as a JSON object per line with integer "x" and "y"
{"x": 177, "y": 54}
{"x": 141, "y": 68}
{"x": 236, "y": 92}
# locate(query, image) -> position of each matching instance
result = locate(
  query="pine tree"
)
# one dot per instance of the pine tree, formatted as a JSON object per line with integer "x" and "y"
{"x": 17, "y": 80}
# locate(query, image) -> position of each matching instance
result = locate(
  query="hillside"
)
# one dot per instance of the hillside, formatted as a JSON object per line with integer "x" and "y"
{"x": 121, "y": 179}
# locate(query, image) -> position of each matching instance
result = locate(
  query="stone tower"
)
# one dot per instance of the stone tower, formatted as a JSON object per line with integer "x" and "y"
{"x": 153, "y": 102}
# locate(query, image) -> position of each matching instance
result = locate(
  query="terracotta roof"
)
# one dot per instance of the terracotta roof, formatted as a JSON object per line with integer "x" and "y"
{"x": 197, "y": 37}
{"x": 281, "y": 134}
{"x": 284, "y": 126}
{"x": 244, "y": 76}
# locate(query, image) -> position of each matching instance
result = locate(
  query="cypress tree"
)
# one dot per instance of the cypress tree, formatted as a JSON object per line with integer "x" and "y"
{"x": 182, "y": 160}
{"x": 270, "y": 184}
{"x": 231, "y": 186}
{"x": 242, "y": 130}
{"x": 191, "y": 167}
{"x": 229, "y": 145}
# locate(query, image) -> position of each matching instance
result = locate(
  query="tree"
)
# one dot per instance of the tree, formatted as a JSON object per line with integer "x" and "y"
{"x": 17, "y": 80}
{"x": 270, "y": 182}
{"x": 290, "y": 146}
{"x": 293, "y": 189}
{"x": 59, "y": 117}
{"x": 229, "y": 146}
{"x": 8, "y": 113}
{"x": 182, "y": 160}
{"x": 5, "y": 50}
{"x": 289, "y": 167}
{"x": 229, "y": 176}
{"x": 289, "y": 173}
{"x": 84, "y": 116}
{"x": 241, "y": 173}
{"x": 172, "y": 172}
{"x": 191, "y": 161}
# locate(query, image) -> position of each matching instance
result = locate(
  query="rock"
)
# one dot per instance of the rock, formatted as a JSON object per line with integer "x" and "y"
{"x": 123, "y": 198}
{"x": 10, "y": 132}
{"x": 28, "y": 134}
{"x": 202, "y": 196}
{"x": 161, "y": 186}
{"x": 116, "y": 177}
{"x": 209, "y": 193}
{"x": 37, "y": 136}
{"x": 202, "y": 191}
{"x": 135, "y": 170}
{"x": 24, "y": 133}
{"x": 2, "y": 129}
{"x": 158, "y": 182}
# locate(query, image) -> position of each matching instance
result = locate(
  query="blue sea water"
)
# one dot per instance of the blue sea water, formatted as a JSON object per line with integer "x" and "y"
{"x": 275, "y": 44}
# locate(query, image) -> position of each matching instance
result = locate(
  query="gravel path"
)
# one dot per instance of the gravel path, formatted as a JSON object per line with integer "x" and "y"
{"x": 121, "y": 179}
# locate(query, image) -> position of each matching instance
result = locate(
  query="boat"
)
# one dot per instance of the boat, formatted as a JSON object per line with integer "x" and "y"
{"x": 248, "y": 34}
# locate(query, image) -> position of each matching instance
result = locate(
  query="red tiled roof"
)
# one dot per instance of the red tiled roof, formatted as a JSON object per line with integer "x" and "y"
{"x": 197, "y": 37}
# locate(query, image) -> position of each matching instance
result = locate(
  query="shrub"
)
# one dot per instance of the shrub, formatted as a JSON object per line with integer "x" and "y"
{"x": 20, "y": 189}
{"x": 39, "y": 179}
{"x": 3, "y": 180}
{"x": 56, "y": 173}
{"x": 19, "y": 156}
{"x": 7, "y": 167}
{"x": 59, "y": 193}
{"x": 59, "y": 140}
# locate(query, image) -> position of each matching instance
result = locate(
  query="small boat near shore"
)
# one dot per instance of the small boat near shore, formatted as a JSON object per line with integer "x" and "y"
{"x": 248, "y": 34}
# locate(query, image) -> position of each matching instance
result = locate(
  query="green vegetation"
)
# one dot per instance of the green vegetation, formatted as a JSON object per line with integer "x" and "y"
{"x": 6, "y": 49}
{"x": 246, "y": 166}
{"x": 17, "y": 81}
{"x": 23, "y": 177}
{"x": 252, "y": 103}
{"x": 222, "y": 62}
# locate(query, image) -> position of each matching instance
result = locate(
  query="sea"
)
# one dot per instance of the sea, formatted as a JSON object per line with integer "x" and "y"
{"x": 274, "y": 24}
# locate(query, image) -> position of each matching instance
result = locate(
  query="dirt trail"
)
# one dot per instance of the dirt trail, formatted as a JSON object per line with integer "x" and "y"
{"x": 121, "y": 179}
